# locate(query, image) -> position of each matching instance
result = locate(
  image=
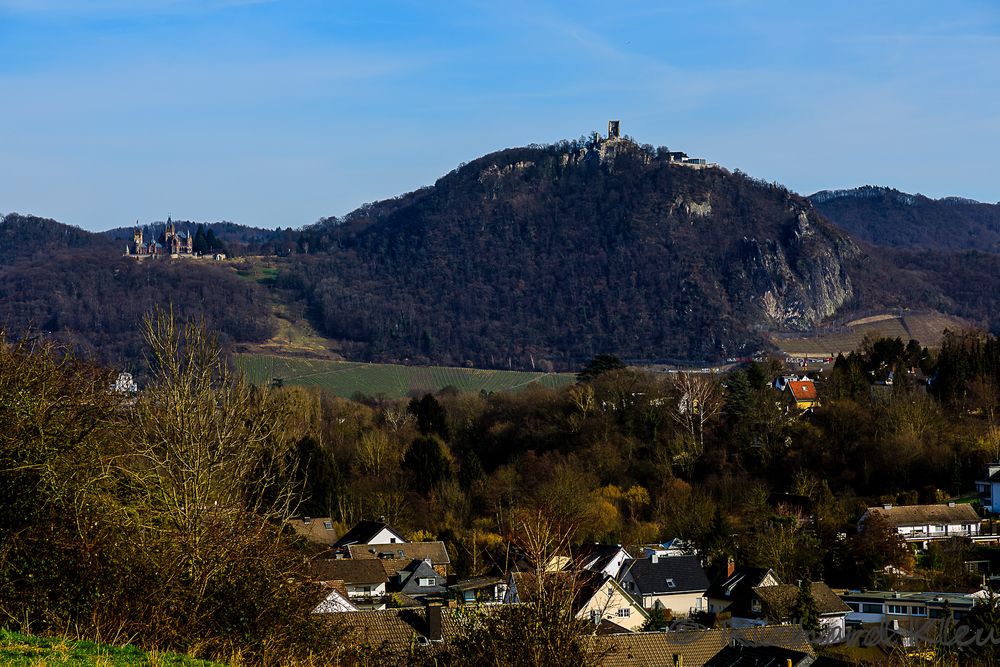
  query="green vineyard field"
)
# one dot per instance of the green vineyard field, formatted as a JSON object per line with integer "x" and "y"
{"x": 347, "y": 378}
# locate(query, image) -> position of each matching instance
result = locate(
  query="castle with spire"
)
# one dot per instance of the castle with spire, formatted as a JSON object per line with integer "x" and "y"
{"x": 168, "y": 242}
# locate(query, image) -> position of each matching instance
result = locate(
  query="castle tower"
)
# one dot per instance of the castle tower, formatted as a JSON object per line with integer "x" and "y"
{"x": 613, "y": 129}
{"x": 137, "y": 235}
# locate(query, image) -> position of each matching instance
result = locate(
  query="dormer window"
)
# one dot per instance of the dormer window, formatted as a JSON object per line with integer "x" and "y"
{"x": 424, "y": 582}
{"x": 328, "y": 525}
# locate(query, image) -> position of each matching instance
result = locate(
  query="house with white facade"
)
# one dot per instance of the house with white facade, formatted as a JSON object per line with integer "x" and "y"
{"x": 596, "y": 596}
{"x": 370, "y": 532}
{"x": 921, "y": 524}
{"x": 989, "y": 489}
{"x": 602, "y": 558}
{"x": 674, "y": 583}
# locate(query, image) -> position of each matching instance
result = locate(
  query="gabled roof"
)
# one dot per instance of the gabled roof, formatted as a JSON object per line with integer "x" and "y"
{"x": 741, "y": 581}
{"x": 364, "y": 532}
{"x": 349, "y": 571}
{"x": 923, "y": 515}
{"x": 417, "y": 570}
{"x": 596, "y": 557}
{"x": 437, "y": 552}
{"x": 394, "y": 630}
{"x": 802, "y": 390}
{"x": 318, "y": 530}
{"x": 696, "y": 647}
{"x": 667, "y": 575}
{"x": 758, "y": 656}
{"x": 781, "y": 598}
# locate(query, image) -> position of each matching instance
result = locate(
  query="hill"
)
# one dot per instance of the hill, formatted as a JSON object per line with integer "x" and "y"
{"x": 556, "y": 253}
{"x": 75, "y": 286}
{"x": 887, "y": 217}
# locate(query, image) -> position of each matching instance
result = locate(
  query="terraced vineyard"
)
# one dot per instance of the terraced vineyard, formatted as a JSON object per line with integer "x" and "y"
{"x": 346, "y": 378}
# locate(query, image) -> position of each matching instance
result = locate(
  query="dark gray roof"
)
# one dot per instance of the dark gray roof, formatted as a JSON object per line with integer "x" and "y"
{"x": 596, "y": 556}
{"x": 758, "y": 656}
{"x": 739, "y": 583}
{"x": 363, "y": 532}
{"x": 654, "y": 578}
{"x": 422, "y": 569}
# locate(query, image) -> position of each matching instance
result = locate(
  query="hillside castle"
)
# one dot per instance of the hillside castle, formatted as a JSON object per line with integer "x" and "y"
{"x": 169, "y": 241}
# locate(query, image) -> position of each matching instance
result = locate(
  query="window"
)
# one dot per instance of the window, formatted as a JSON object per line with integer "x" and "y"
{"x": 936, "y": 613}
{"x": 918, "y": 611}
{"x": 427, "y": 581}
{"x": 896, "y": 609}
{"x": 630, "y": 585}
{"x": 854, "y": 606}
{"x": 755, "y": 604}
{"x": 392, "y": 540}
{"x": 671, "y": 583}
{"x": 328, "y": 525}
{"x": 869, "y": 608}
{"x": 624, "y": 612}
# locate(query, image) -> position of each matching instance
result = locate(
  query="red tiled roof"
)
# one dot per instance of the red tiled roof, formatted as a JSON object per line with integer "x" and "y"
{"x": 802, "y": 390}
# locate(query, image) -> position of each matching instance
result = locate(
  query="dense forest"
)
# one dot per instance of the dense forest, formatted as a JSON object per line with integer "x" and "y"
{"x": 62, "y": 282}
{"x": 561, "y": 252}
{"x": 537, "y": 257}
{"x": 887, "y": 217}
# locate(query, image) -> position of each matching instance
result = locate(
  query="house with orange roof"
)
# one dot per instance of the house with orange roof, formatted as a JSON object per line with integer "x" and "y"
{"x": 799, "y": 391}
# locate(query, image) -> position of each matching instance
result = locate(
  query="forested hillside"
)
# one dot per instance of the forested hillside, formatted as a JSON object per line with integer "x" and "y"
{"x": 888, "y": 217}
{"x": 559, "y": 252}
{"x": 74, "y": 286}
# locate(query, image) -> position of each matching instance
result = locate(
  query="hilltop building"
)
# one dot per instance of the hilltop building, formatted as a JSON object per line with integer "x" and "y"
{"x": 169, "y": 241}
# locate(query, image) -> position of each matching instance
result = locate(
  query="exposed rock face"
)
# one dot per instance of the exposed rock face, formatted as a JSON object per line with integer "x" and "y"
{"x": 579, "y": 248}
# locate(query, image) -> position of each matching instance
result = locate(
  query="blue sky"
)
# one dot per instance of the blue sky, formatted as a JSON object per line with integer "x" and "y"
{"x": 276, "y": 113}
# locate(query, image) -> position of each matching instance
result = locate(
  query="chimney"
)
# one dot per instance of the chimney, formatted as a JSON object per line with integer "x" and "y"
{"x": 788, "y": 662}
{"x": 730, "y": 567}
{"x": 951, "y": 503}
{"x": 654, "y": 558}
{"x": 434, "y": 622}
{"x": 678, "y": 660}
{"x": 887, "y": 506}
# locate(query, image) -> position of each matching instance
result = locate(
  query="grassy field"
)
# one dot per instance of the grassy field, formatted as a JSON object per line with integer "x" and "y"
{"x": 345, "y": 378}
{"x": 19, "y": 649}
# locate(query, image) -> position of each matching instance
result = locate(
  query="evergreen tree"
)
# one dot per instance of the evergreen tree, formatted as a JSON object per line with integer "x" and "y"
{"x": 805, "y": 611}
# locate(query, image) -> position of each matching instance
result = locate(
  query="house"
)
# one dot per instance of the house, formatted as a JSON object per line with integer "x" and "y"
{"x": 596, "y": 596}
{"x": 800, "y": 392}
{"x": 365, "y": 581}
{"x": 920, "y": 524}
{"x": 435, "y": 552}
{"x": 370, "y": 532}
{"x": 732, "y": 591}
{"x": 479, "y": 590}
{"x": 884, "y": 607}
{"x": 989, "y": 489}
{"x": 335, "y": 599}
{"x": 604, "y": 558}
{"x": 743, "y": 655}
{"x": 419, "y": 579}
{"x": 319, "y": 532}
{"x": 395, "y": 634}
{"x": 778, "y": 602}
{"x": 672, "y": 547}
{"x": 675, "y": 583}
{"x": 694, "y": 648}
